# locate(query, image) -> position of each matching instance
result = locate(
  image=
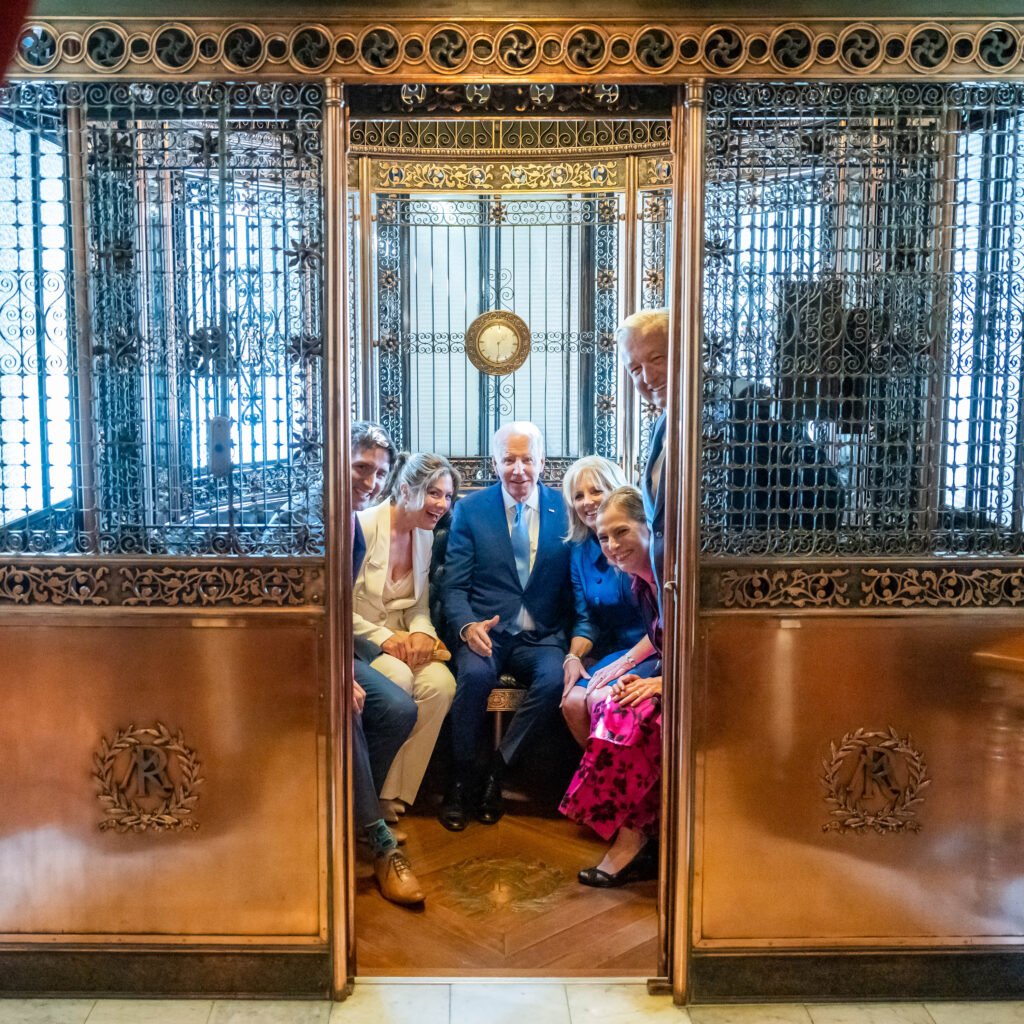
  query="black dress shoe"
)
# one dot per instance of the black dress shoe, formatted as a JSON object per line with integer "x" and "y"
{"x": 490, "y": 808}
{"x": 454, "y": 812}
{"x": 642, "y": 868}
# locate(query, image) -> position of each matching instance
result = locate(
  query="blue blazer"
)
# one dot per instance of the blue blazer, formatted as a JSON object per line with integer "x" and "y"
{"x": 480, "y": 577}
{"x": 654, "y": 504}
{"x": 607, "y": 611}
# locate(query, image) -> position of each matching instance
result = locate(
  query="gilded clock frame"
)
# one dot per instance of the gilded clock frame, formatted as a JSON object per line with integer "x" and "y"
{"x": 516, "y": 324}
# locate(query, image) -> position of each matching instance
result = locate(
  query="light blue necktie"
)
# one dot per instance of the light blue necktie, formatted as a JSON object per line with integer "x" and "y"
{"x": 521, "y": 545}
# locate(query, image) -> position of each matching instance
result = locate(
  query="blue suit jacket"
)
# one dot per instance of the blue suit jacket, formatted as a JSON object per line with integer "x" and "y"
{"x": 480, "y": 578}
{"x": 607, "y": 611}
{"x": 654, "y": 504}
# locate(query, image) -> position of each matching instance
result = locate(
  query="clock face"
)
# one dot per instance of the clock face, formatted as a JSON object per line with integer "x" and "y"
{"x": 498, "y": 342}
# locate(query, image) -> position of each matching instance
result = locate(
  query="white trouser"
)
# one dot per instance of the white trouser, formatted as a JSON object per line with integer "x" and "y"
{"x": 432, "y": 687}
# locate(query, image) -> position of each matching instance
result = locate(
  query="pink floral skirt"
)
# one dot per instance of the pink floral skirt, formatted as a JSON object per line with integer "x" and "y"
{"x": 618, "y": 782}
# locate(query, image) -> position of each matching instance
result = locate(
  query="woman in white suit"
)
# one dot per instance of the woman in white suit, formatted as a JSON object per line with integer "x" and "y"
{"x": 392, "y": 608}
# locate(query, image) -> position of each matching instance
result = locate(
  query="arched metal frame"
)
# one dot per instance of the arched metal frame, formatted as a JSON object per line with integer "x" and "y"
{"x": 622, "y": 50}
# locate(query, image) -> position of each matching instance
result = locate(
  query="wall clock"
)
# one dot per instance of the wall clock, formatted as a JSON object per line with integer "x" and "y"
{"x": 498, "y": 342}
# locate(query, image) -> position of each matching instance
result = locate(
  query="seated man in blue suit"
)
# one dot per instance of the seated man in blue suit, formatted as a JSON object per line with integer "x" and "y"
{"x": 506, "y": 594}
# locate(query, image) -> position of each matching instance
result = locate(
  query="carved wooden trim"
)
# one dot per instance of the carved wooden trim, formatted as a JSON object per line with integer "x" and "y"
{"x": 431, "y": 50}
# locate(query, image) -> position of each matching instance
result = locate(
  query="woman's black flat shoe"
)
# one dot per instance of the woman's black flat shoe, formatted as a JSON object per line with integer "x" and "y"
{"x": 643, "y": 867}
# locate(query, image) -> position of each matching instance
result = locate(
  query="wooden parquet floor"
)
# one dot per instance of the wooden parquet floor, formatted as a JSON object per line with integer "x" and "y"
{"x": 504, "y": 900}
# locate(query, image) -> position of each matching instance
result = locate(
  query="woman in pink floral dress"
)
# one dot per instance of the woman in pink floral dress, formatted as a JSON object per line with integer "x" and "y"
{"x": 617, "y": 788}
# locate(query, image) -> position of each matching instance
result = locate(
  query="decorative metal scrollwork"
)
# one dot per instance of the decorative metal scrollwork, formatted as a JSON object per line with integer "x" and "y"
{"x": 448, "y": 50}
{"x": 792, "y": 48}
{"x": 860, "y": 48}
{"x": 723, "y": 48}
{"x": 998, "y": 47}
{"x": 106, "y": 48}
{"x": 378, "y": 49}
{"x": 202, "y": 586}
{"x": 960, "y": 587}
{"x": 784, "y": 588}
{"x": 825, "y": 47}
{"x": 655, "y": 49}
{"x": 864, "y": 587}
{"x": 518, "y": 51}
{"x": 59, "y": 584}
{"x": 930, "y": 48}
{"x": 586, "y": 49}
{"x": 174, "y": 48}
{"x": 243, "y": 48}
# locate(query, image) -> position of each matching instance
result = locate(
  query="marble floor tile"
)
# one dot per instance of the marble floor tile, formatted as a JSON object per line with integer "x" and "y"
{"x": 151, "y": 1011}
{"x": 394, "y": 1004}
{"x": 621, "y": 1004}
{"x": 270, "y": 1011}
{"x": 45, "y": 1011}
{"x": 976, "y": 1013}
{"x": 769, "y": 1013}
{"x": 509, "y": 1004}
{"x": 870, "y": 1013}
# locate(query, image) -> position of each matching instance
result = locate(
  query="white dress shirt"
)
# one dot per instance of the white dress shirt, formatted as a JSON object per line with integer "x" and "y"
{"x": 531, "y": 510}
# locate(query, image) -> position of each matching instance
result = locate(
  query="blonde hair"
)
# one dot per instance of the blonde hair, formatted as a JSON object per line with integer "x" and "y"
{"x": 607, "y": 474}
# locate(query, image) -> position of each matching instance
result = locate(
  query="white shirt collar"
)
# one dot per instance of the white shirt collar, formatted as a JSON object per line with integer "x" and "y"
{"x": 533, "y": 501}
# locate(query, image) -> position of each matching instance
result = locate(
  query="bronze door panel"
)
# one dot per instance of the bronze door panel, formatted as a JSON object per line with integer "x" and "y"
{"x": 248, "y": 707}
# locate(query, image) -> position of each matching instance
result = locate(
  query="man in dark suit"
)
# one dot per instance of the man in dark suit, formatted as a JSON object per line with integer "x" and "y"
{"x": 643, "y": 347}
{"x": 385, "y": 713}
{"x": 506, "y": 594}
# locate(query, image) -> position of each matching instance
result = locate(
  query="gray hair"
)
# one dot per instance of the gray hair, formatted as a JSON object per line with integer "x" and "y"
{"x": 524, "y": 427}
{"x": 606, "y": 473}
{"x": 646, "y": 321}
{"x": 371, "y": 435}
{"x": 418, "y": 473}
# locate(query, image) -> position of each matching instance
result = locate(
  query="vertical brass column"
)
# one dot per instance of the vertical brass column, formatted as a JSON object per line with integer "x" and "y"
{"x": 682, "y": 501}
{"x": 630, "y": 303}
{"x": 337, "y": 519}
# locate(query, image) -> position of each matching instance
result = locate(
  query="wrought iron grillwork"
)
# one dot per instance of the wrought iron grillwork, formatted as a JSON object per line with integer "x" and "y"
{"x": 655, "y": 213}
{"x": 862, "y": 356}
{"x": 181, "y": 414}
{"x": 440, "y": 262}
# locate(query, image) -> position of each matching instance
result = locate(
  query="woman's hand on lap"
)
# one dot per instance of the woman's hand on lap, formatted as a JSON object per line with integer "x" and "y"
{"x": 632, "y": 689}
{"x": 419, "y": 648}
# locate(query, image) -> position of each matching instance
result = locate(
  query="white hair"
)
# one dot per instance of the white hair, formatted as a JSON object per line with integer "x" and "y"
{"x": 647, "y": 321}
{"x": 522, "y": 427}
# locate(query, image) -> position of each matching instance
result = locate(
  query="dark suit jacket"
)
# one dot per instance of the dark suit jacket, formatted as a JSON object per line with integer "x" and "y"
{"x": 480, "y": 578}
{"x": 654, "y": 504}
{"x": 365, "y": 650}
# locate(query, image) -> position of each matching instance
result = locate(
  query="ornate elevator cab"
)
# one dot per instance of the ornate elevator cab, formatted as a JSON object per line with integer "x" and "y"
{"x": 205, "y": 255}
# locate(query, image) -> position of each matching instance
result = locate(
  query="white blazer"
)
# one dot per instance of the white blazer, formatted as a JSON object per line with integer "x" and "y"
{"x": 371, "y": 618}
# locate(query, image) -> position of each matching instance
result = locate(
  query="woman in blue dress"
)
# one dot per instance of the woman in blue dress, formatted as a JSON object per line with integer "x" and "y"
{"x": 609, "y": 636}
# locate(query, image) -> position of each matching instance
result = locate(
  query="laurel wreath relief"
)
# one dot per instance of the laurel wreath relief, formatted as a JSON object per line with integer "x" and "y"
{"x": 174, "y": 813}
{"x": 896, "y": 815}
